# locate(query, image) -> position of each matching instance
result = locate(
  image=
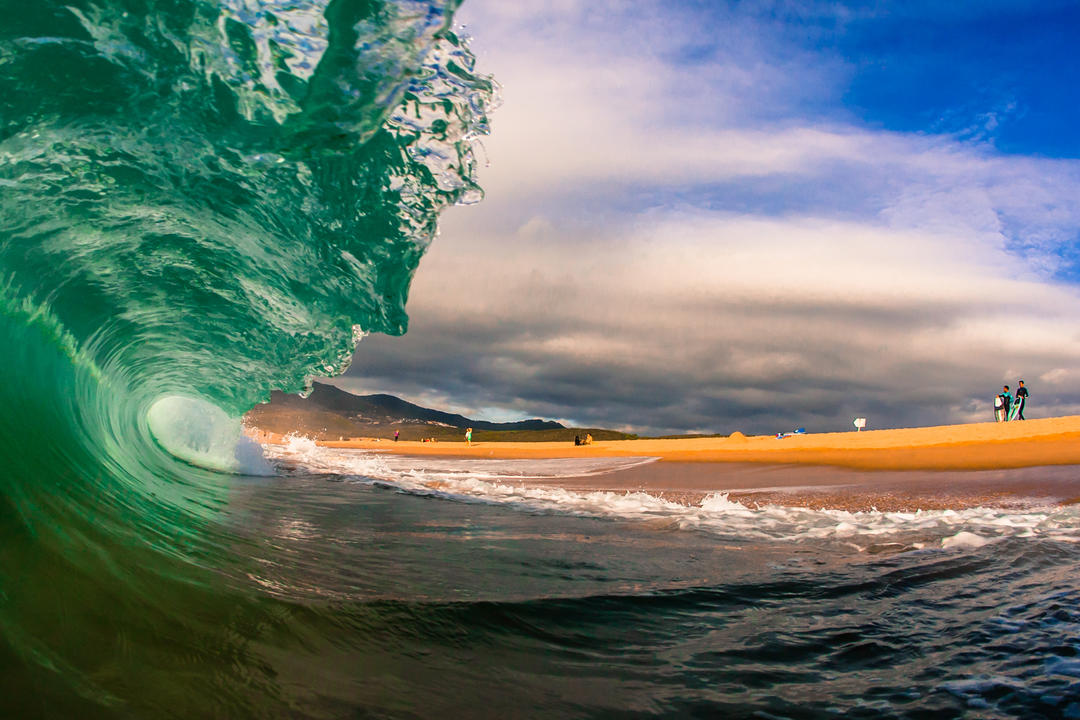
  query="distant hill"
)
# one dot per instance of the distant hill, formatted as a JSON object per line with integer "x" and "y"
{"x": 330, "y": 412}
{"x": 390, "y": 409}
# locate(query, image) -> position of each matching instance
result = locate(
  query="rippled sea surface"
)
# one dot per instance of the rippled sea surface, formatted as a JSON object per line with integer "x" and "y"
{"x": 375, "y": 595}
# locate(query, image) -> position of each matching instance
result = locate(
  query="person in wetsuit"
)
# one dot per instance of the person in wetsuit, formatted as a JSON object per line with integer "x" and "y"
{"x": 1021, "y": 400}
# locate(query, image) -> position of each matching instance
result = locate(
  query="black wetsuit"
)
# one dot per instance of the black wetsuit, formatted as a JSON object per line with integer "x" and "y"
{"x": 1021, "y": 401}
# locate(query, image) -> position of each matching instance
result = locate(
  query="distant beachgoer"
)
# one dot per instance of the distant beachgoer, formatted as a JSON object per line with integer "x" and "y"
{"x": 577, "y": 439}
{"x": 1021, "y": 400}
{"x": 396, "y": 433}
{"x": 1006, "y": 402}
{"x": 588, "y": 438}
{"x": 468, "y": 436}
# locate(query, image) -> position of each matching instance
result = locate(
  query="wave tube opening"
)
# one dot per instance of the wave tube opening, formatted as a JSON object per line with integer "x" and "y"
{"x": 201, "y": 433}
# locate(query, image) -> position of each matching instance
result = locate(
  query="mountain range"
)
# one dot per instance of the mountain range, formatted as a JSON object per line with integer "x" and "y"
{"x": 331, "y": 413}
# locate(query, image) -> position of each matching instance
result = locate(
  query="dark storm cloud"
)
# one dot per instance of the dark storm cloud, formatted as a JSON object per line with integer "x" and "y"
{"x": 759, "y": 368}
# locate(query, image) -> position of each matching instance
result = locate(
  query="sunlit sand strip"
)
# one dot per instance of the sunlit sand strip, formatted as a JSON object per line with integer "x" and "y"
{"x": 979, "y": 446}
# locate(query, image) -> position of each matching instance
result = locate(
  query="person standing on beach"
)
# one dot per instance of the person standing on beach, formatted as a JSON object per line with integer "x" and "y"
{"x": 396, "y": 433}
{"x": 1021, "y": 400}
{"x": 1006, "y": 401}
{"x": 468, "y": 436}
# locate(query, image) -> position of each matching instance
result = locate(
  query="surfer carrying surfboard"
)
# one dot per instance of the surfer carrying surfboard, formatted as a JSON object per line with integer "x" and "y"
{"x": 1021, "y": 401}
{"x": 1006, "y": 402}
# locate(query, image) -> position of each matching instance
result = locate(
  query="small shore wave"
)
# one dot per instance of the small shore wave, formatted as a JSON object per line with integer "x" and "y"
{"x": 611, "y": 487}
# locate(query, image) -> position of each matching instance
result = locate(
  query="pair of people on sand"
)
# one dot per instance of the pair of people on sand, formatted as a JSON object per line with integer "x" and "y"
{"x": 1006, "y": 408}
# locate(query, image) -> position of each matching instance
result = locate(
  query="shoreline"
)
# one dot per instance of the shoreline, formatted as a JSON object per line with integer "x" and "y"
{"x": 977, "y": 446}
{"x": 1002, "y": 465}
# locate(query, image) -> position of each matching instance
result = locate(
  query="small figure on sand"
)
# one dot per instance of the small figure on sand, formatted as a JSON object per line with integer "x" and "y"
{"x": 468, "y": 437}
{"x": 1002, "y": 403}
{"x": 1020, "y": 402}
{"x": 396, "y": 433}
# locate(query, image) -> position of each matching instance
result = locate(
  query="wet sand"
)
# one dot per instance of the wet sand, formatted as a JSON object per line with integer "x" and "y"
{"x": 839, "y": 488}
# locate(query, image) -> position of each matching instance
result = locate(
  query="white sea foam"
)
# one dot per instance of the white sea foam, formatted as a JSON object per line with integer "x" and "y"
{"x": 505, "y": 482}
{"x": 964, "y": 539}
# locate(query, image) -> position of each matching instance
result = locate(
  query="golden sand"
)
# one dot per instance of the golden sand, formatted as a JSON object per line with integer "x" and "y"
{"x": 978, "y": 446}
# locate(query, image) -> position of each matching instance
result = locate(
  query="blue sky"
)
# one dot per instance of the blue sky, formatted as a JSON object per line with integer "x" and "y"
{"x": 999, "y": 73}
{"x": 720, "y": 216}
{"x": 996, "y": 72}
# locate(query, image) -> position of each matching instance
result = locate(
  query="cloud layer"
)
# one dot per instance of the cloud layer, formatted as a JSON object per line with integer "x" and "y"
{"x": 672, "y": 241}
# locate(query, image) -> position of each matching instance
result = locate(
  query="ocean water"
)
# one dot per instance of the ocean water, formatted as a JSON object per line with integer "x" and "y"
{"x": 204, "y": 201}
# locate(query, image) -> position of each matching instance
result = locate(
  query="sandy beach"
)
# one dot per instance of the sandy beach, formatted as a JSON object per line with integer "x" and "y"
{"x": 977, "y": 446}
{"x": 954, "y": 466}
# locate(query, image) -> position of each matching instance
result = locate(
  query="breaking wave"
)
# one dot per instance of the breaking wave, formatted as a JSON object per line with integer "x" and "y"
{"x": 200, "y": 201}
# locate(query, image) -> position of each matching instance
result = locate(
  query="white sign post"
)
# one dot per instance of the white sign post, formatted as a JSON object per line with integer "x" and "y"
{"x": 859, "y": 424}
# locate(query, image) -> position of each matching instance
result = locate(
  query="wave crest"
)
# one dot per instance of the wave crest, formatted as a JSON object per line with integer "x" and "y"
{"x": 217, "y": 195}
{"x": 199, "y": 202}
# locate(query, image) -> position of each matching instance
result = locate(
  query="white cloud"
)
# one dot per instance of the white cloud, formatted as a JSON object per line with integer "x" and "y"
{"x": 1057, "y": 376}
{"x": 649, "y": 254}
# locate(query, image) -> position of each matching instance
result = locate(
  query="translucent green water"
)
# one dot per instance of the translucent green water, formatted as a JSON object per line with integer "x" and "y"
{"x": 199, "y": 202}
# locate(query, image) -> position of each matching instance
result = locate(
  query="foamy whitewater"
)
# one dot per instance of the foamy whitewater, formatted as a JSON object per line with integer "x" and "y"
{"x": 504, "y": 482}
{"x": 203, "y": 201}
